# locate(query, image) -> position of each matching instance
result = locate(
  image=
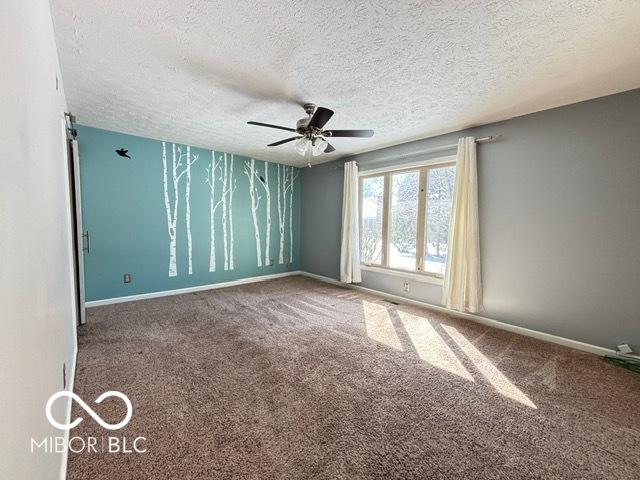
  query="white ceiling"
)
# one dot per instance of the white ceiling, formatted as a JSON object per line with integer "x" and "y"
{"x": 196, "y": 71}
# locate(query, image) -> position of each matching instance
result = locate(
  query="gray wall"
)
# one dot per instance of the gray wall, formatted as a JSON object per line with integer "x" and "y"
{"x": 559, "y": 220}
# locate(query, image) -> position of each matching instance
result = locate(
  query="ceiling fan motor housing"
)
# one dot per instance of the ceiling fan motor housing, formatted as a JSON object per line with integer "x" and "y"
{"x": 303, "y": 124}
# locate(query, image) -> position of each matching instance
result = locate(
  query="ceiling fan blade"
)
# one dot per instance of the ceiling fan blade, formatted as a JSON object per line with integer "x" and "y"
{"x": 348, "y": 133}
{"x": 272, "y": 126}
{"x": 275, "y": 144}
{"x": 320, "y": 117}
{"x": 330, "y": 148}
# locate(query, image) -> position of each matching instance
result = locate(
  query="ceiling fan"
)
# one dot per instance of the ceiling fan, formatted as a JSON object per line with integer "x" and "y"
{"x": 311, "y": 138}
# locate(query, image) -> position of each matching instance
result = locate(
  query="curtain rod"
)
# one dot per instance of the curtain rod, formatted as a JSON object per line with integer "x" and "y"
{"x": 490, "y": 138}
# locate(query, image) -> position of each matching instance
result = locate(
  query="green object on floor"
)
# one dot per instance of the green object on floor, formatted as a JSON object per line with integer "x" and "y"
{"x": 625, "y": 362}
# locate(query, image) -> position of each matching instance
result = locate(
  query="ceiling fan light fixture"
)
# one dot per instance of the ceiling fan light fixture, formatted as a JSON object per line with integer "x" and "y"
{"x": 310, "y": 130}
{"x": 302, "y": 145}
{"x": 319, "y": 145}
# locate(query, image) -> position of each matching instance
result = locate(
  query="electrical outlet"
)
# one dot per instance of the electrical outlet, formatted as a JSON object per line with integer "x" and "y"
{"x": 64, "y": 376}
{"x": 624, "y": 348}
{"x": 270, "y": 262}
{"x": 127, "y": 278}
{"x": 406, "y": 287}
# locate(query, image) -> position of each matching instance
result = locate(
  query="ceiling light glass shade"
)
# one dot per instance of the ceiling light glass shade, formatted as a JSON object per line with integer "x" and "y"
{"x": 303, "y": 145}
{"x": 319, "y": 146}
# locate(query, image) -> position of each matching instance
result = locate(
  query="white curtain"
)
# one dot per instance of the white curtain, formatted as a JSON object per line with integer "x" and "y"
{"x": 350, "y": 243}
{"x": 462, "y": 289}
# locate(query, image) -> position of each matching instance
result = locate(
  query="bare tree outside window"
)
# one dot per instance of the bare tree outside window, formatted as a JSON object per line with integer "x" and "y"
{"x": 417, "y": 221}
{"x": 371, "y": 224}
{"x": 440, "y": 185}
{"x": 404, "y": 220}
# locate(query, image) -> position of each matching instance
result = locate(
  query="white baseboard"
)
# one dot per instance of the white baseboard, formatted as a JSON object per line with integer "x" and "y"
{"x": 199, "y": 288}
{"x": 324, "y": 279}
{"x": 72, "y": 378}
{"x": 547, "y": 337}
{"x": 567, "y": 342}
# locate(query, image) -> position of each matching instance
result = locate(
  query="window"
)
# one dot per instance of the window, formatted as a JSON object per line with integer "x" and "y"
{"x": 440, "y": 183}
{"x": 404, "y": 216}
{"x": 371, "y": 201}
{"x": 403, "y": 236}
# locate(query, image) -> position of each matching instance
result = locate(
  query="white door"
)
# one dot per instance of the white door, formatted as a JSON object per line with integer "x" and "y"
{"x": 83, "y": 239}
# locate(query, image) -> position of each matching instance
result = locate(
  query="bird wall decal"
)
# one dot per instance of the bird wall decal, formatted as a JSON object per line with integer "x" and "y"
{"x": 122, "y": 152}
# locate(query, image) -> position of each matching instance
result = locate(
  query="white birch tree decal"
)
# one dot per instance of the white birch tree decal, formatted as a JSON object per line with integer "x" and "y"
{"x": 171, "y": 225}
{"x": 172, "y": 210}
{"x": 213, "y": 205}
{"x": 187, "y": 197}
{"x": 256, "y": 179}
{"x": 280, "y": 220}
{"x": 225, "y": 175}
{"x": 250, "y": 172}
{"x": 284, "y": 185}
{"x": 232, "y": 188}
{"x": 267, "y": 233}
{"x": 228, "y": 187}
{"x": 292, "y": 179}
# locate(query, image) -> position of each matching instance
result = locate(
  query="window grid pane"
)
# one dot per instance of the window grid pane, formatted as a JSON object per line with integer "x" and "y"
{"x": 372, "y": 219}
{"x": 440, "y": 187}
{"x": 403, "y": 229}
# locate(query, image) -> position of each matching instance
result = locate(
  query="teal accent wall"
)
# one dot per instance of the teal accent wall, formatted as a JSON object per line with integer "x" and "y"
{"x": 124, "y": 209}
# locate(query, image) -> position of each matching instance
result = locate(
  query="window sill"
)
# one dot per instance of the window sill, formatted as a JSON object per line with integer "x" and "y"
{"x": 421, "y": 277}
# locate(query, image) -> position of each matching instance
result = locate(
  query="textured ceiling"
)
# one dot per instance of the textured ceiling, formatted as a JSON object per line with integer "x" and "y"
{"x": 195, "y": 71}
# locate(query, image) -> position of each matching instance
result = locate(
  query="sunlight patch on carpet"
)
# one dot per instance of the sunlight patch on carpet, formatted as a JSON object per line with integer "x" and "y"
{"x": 379, "y": 325}
{"x": 430, "y": 346}
{"x": 488, "y": 369}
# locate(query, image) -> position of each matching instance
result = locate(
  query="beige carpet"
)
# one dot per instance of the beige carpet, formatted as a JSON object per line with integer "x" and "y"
{"x": 294, "y": 378}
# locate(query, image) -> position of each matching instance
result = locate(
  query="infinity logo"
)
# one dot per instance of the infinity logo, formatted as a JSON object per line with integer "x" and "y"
{"x": 89, "y": 410}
